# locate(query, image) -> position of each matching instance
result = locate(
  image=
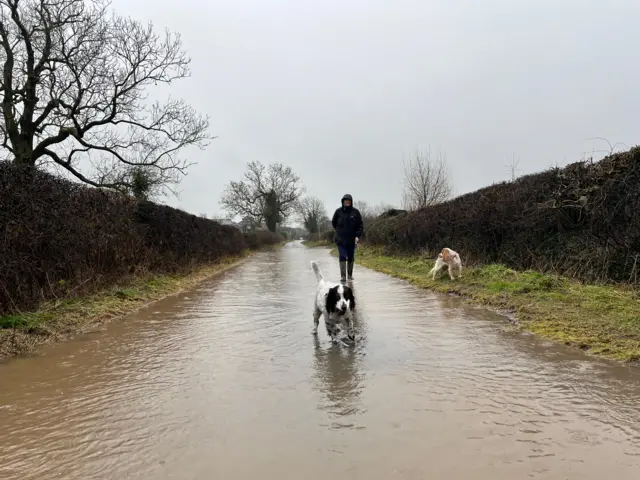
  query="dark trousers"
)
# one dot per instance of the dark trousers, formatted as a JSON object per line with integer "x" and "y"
{"x": 346, "y": 252}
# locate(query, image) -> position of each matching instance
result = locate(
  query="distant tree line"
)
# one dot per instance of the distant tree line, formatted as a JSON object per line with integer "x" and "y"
{"x": 273, "y": 194}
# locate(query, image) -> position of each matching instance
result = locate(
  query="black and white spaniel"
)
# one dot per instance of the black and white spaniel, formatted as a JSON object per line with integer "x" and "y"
{"x": 337, "y": 303}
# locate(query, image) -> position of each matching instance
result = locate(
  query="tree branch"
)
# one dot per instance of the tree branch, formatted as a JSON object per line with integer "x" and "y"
{"x": 87, "y": 72}
{"x": 67, "y": 165}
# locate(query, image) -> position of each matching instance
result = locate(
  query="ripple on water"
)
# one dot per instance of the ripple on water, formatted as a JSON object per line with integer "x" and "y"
{"x": 227, "y": 382}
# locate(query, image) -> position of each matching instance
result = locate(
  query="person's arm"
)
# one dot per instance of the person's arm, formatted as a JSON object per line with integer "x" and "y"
{"x": 360, "y": 227}
{"x": 334, "y": 220}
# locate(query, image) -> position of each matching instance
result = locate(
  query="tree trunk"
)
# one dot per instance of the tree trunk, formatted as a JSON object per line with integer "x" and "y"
{"x": 272, "y": 223}
{"x": 23, "y": 152}
{"x": 271, "y": 214}
{"x": 313, "y": 225}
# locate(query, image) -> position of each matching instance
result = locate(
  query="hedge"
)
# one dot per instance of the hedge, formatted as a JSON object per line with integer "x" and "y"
{"x": 60, "y": 238}
{"x": 582, "y": 221}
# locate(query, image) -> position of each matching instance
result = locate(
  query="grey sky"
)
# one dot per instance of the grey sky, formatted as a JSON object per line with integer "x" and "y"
{"x": 341, "y": 90}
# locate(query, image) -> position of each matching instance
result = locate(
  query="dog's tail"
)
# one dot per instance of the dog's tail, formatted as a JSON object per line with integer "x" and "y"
{"x": 316, "y": 270}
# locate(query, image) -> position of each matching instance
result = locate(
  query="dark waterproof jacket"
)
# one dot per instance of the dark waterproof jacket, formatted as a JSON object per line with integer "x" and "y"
{"x": 348, "y": 225}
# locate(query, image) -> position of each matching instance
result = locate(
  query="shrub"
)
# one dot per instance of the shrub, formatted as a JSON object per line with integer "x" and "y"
{"x": 60, "y": 238}
{"x": 579, "y": 221}
{"x": 259, "y": 238}
{"x": 326, "y": 236}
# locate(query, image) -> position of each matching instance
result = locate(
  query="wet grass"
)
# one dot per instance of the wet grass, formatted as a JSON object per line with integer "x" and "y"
{"x": 20, "y": 333}
{"x": 601, "y": 319}
{"x": 316, "y": 243}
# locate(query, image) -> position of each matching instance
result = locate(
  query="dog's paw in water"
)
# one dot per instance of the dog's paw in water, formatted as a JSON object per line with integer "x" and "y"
{"x": 349, "y": 340}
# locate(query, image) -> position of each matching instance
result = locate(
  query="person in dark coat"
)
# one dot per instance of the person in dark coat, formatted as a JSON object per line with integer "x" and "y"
{"x": 348, "y": 225}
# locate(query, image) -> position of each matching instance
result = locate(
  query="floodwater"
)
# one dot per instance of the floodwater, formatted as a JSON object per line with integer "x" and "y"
{"x": 227, "y": 382}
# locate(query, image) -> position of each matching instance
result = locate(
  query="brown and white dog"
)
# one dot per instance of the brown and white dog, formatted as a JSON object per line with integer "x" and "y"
{"x": 447, "y": 258}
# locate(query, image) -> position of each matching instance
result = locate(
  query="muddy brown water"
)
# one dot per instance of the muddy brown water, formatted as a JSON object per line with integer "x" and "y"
{"x": 227, "y": 382}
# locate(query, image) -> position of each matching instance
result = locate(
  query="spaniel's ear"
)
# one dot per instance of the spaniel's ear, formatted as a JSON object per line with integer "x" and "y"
{"x": 348, "y": 295}
{"x": 332, "y": 299}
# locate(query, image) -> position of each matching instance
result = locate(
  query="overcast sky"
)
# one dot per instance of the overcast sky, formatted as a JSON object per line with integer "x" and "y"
{"x": 342, "y": 90}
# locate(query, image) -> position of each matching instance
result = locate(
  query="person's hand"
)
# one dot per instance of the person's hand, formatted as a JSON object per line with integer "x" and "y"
{"x": 357, "y": 240}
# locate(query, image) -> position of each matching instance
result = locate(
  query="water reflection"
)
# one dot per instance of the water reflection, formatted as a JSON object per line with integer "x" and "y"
{"x": 338, "y": 372}
{"x": 268, "y": 274}
{"x": 338, "y": 377}
{"x": 187, "y": 388}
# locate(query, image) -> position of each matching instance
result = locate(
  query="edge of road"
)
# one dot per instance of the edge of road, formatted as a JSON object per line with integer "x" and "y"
{"x": 65, "y": 318}
{"x": 600, "y": 320}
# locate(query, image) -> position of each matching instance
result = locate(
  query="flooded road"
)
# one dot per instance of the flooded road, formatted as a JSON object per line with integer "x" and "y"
{"x": 227, "y": 382}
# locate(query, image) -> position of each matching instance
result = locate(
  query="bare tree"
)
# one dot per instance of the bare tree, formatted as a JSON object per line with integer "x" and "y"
{"x": 370, "y": 213}
{"x": 381, "y": 208}
{"x": 610, "y": 151}
{"x": 313, "y": 214}
{"x": 363, "y": 208}
{"x": 426, "y": 181}
{"x": 512, "y": 167}
{"x": 74, "y": 93}
{"x": 267, "y": 194}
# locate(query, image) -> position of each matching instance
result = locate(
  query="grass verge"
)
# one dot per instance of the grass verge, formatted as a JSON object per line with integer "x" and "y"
{"x": 316, "y": 243}
{"x": 58, "y": 320}
{"x": 603, "y": 320}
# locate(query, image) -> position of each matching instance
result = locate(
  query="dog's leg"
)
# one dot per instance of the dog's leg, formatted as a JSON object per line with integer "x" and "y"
{"x": 350, "y": 330}
{"x": 332, "y": 329}
{"x": 456, "y": 271}
{"x": 436, "y": 268}
{"x": 433, "y": 271}
{"x": 451, "y": 272}
{"x": 316, "y": 320}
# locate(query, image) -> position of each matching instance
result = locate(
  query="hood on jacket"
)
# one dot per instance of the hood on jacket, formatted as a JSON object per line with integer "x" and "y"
{"x": 346, "y": 196}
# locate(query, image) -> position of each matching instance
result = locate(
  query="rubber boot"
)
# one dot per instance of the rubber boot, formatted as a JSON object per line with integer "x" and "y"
{"x": 350, "y": 270}
{"x": 343, "y": 271}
